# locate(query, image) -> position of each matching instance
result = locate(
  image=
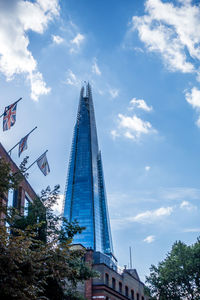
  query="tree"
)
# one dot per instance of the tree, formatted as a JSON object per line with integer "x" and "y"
{"x": 178, "y": 276}
{"x": 8, "y": 180}
{"x": 36, "y": 259}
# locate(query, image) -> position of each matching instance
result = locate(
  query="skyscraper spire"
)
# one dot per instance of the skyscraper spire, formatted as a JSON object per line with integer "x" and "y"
{"x": 85, "y": 198}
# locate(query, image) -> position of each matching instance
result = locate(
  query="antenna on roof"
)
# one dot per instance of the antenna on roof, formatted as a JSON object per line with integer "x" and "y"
{"x": 131, "y": 266}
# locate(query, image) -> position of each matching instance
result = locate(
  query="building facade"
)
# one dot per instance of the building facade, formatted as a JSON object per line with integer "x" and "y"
{"x": 20, "y": 197}
{"x": 85, "y": 198}
{"x": 112, "y": 283}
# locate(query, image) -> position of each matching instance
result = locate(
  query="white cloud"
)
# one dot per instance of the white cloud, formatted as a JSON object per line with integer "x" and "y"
{"x": 38, "y": 86}
{"x": 134, "y": 126}
{"x": 76, "y": 42}
{"x": 151, "y": 216}
{"x": 192, "y": 230}
{"x": 165, "y": 214}
{"x": 114, "y": 134}
{"x": 187, "y": 205}
{"x": 129, "y": 135}
{"x": 95, "y": 68}
{"x": 114, "y": 93}
{"x": 15, "y": 56}
{"x": 149, "y": 239}
{"x": 140, "y": 103}
{"x": 72, "y": 79}
{"x": 57, "y": 39}
{"x": 78, "y": 39}
{"x": 36, "y": 16}
{"x": 138, "y": 49}
{"x": 171, "y": 30}
{"x": 193, "y": 98}
{"x": 147, "y": 168}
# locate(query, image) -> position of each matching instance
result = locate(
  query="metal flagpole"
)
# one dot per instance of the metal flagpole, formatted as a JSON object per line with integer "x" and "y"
{"x": 9, "y": 152}
{"x": 36, "y": 160}
{"x": 9, "y": 108}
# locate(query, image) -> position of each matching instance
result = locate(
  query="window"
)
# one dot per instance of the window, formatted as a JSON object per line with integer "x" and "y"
{"x": 10, "y": 197}
{"x": 15, "y": 198}
{"x": 120, "y": 287}
{"x": 138, "y": 296}
{"x": 132, "y": 295}
{"x": 107, "y": 279}
{"x": 26, "y": 204}
{"x": 126, "y": 291}
{"x": 142, "y": 298}
{"x": 113, "y": 283}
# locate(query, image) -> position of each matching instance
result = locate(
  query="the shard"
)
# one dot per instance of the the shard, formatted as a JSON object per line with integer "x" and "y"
{"x": 85, "y": 197}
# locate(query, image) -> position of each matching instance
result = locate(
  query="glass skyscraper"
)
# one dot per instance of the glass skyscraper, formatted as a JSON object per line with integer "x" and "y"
{"x": 85, "y": 198}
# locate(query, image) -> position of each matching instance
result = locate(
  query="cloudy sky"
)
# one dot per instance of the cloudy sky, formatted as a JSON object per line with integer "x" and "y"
{"x": 142, "y": 59}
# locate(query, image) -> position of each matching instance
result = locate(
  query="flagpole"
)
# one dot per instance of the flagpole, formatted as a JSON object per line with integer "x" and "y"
{"x": 9, "y": 108}
{"x": 36, "y": 160}
{"x": 9, "y": 152}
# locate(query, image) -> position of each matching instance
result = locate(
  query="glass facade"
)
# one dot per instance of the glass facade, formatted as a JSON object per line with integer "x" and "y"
{"x": 85, "y": 197}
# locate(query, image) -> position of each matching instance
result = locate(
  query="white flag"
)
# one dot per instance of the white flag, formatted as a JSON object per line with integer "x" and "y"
{"x": 43, "y": 164}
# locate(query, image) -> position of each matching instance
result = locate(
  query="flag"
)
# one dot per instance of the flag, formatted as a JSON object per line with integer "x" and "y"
{"x": 9, "y": 116}
{"x": 23, "y": 144}
{"x": 43, "y": 164}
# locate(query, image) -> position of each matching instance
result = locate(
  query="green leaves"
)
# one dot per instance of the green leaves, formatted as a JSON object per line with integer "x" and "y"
{"x": 178, "y": 276}
{"x": 8, "y": 180}
{"x": 36, "y": 258}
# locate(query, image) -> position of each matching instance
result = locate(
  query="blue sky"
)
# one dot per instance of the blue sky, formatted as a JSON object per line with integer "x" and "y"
{"x": 142, "y": 60}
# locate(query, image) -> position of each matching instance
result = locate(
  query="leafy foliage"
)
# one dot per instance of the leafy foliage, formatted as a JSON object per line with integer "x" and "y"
{"x": 36, "y": 258}
{"x": 178, "y": 276}
{"x": 8, "y": 180}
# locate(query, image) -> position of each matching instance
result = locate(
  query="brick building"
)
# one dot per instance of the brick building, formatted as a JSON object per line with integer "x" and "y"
{"x": 23, "y": 194}
{"x": 112, "y": 282}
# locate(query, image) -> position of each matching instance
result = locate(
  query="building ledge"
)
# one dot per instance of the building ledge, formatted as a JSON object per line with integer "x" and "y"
{"x": 103, "y": 287}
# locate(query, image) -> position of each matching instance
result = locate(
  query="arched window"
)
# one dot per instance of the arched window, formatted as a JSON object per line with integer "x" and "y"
{"x": 126, "y": 291}
{"x": 132, "y": 295}
{"x": 113, "y": 283}
{"x": 107, "y": 279}
{"x": 138, "y": 296}
{"x": 120, "y": 287}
